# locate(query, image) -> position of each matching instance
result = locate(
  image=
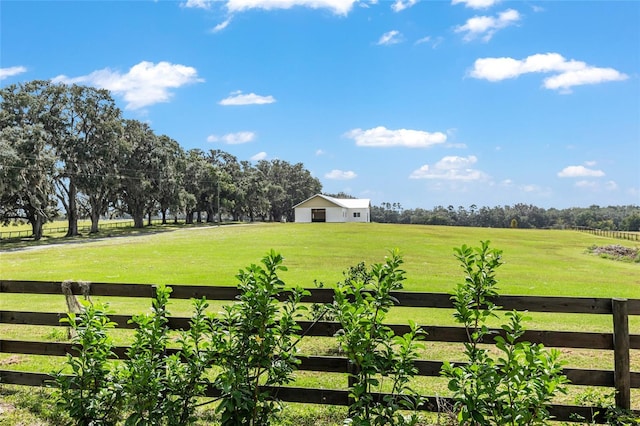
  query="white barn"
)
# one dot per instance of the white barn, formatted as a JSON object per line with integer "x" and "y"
{"x": 322, "y": 208}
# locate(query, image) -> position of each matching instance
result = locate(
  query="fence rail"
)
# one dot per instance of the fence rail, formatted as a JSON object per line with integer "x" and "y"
{"x": 49, "y": 230}
{"x": 623, "y": 235}
{"x": 620, "y": 342}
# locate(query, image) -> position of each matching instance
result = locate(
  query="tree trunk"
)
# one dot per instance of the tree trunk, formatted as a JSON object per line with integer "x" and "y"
{"x": 72, "y": 211}
{"x": 95, "y": 218}
{"x": 149, "y": 219}
{"x": 199, "y": 216}
{"x": 138, "y": 220}
{"x": 164, "y": 217}
{"x": 36, "y": 227}
{"x": 188, "y": 220}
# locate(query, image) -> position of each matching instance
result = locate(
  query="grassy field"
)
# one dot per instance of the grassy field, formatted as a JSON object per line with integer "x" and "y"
{"x": 540, "y": 262}
{"x": 537, "y": 262}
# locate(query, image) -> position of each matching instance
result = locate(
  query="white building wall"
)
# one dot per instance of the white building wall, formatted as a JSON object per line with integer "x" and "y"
{"x": 362, "y": 217}
{"x": 333, "y": 214}
{"x": 302, "y": 215}
{"x": 336, "y": 214}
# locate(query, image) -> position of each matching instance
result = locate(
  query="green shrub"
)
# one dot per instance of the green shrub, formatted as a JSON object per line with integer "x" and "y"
{"x": 375, "y": 353}
{"x": 606, "y": 406}
{"x": 161, "y": 389}
{"x": 254, "y": 342}
{"x": 514, "y": 387}
{"x": 91, "y": 395}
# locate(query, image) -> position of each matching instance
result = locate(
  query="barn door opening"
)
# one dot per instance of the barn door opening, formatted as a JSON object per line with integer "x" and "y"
{"x": 318, "y": 215}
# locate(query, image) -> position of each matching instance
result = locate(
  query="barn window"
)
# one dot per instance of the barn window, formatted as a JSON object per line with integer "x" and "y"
{"x": 356, "y": 214}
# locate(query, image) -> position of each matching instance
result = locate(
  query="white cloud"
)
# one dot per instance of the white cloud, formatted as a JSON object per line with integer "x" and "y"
{"x": 338, "y": 7}
{"x": 400, "y": 5}
{"x": 11, "y": 71}
{"x": 320, "y": 152}
{"x": 197, "y": 4}
{"x": 568, "y": 72}
{"x": 596, "y": 186}
{"x": 238, "y": 98}
{"x": 259, "y": 156}
{"x": 221, "y": 26}
{"x": 450, "y": 168}
{"x": 458, "y": 145}
{"x": 536, "y": 190}
{"x": 586, "y": 184}
{"x": 233, "y": 138}
{"x": 340, "y": 174}
{"x": 382, "y": 137}
{"x": 579, "y": 171}
{"x": 611, "y": 186}
{"x": 476, "y": 4}
{"x": 144, "y": 84}
{"x": 389, "y": 38}
{"x": 486, "y": 26}
{"x": 530, "y": 188}
{"x": 434, "y": 42}
{"x": 590, "y": 163}
{"x": 588, "y": 75}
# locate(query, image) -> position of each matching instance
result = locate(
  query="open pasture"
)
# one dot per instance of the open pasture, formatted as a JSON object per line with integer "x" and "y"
{"x": 537, "y": 262}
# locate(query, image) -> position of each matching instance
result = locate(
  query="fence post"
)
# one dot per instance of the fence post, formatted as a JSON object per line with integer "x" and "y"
{"x": 621, "y": 346}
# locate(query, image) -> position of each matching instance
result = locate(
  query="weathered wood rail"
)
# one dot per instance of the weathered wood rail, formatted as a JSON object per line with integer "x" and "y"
{"x": 620, "y": 342}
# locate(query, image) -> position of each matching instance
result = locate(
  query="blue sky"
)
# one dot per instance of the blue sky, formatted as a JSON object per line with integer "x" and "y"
{"x": 423, "y": 103}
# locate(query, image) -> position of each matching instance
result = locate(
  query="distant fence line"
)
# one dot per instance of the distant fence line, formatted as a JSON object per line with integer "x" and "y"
{"x": 620, "y": 342}
{"x": 623, "y": 235}
{"x": 5, "y": 235}
{"x": 46, "y": 230}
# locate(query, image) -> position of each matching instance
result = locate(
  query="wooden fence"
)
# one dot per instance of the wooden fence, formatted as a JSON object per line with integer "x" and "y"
{"x": 620, "y": 342}
{"x": 50, "y": 230}
{"x": 623, "y": 235}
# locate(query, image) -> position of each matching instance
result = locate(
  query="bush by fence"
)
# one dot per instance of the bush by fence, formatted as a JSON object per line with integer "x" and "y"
{"x": 620, "y": 342}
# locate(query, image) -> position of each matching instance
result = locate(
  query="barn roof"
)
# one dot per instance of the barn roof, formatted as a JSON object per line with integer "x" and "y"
{"x": 348, "y": 203}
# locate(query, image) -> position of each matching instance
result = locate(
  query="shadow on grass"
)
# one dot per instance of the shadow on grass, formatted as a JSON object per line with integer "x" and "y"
{"x": 28, "y": 243}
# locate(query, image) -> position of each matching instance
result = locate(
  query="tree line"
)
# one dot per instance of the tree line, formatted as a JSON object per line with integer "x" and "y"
{"x": 611, "y": 218}
{"x": 67, "y": 149}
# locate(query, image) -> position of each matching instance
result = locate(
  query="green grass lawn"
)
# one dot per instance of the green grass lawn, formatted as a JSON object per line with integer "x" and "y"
{"x": 537, "y": 262}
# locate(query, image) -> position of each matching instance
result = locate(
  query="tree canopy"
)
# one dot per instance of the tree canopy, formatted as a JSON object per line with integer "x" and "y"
{"x": 67, "y": 149}
{"x": 613, "y": 218}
